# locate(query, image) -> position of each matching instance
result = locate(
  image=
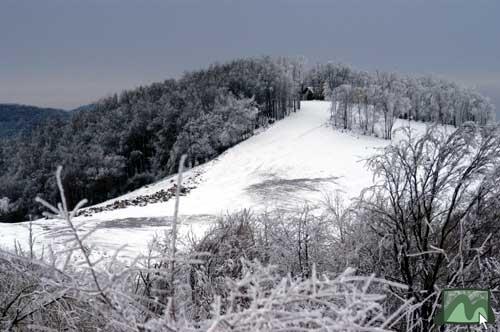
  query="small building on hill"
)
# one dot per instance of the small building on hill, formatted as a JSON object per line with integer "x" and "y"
{"x": 308, "y": 93}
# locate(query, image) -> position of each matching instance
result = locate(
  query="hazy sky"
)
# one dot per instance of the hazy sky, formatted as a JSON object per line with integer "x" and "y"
{"x": 64, "y": 53}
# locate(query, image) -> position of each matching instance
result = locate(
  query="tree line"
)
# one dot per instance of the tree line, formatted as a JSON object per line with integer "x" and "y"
{"x": 125, "y": 141}
{"x": 370, "y": 102}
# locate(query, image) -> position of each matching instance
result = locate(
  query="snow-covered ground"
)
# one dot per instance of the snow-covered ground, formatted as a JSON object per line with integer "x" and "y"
{"x": 297, "y": 160}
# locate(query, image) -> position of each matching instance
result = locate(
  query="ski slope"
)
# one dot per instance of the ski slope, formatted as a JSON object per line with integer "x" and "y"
{"x": 298, "y": 160}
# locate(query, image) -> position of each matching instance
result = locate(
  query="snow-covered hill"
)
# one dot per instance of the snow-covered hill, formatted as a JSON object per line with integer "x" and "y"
{"x": 298, "y": 160}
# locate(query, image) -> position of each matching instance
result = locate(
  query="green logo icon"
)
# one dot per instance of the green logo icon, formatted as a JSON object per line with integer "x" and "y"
{"x": 466, "y": 306}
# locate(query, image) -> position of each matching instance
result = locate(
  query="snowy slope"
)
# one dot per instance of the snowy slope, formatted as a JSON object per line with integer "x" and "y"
{"x": 296, "y": 161}
{"x": 293, "y": 154}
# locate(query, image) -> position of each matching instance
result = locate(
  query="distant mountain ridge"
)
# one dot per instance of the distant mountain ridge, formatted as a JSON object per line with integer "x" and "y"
{"x": 17, "y": 118}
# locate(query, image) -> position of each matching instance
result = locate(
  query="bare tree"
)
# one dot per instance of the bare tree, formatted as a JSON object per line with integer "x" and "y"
{"x": 431, "y": 211}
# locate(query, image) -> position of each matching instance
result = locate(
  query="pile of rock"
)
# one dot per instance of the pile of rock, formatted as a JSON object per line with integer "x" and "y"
{"x": 162, "y": 195}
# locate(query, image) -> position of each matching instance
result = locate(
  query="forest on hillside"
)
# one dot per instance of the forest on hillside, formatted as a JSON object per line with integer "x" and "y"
{"x": 125, "y": 141}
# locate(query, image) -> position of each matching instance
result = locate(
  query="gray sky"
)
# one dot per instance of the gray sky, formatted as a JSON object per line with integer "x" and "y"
{"x": 64, "y": 53}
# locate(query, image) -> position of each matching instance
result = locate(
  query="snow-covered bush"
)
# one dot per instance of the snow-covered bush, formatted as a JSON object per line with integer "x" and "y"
{"x": 431, "y": 219}
{"x": 263, "y": 300}
{"x": 79, "y": 291}
{"x": 27, "y": 300}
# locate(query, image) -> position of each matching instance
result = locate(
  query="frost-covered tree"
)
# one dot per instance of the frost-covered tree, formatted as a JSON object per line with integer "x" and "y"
{"x": 432, "y": 216}
{"x": 364, "y": 101}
